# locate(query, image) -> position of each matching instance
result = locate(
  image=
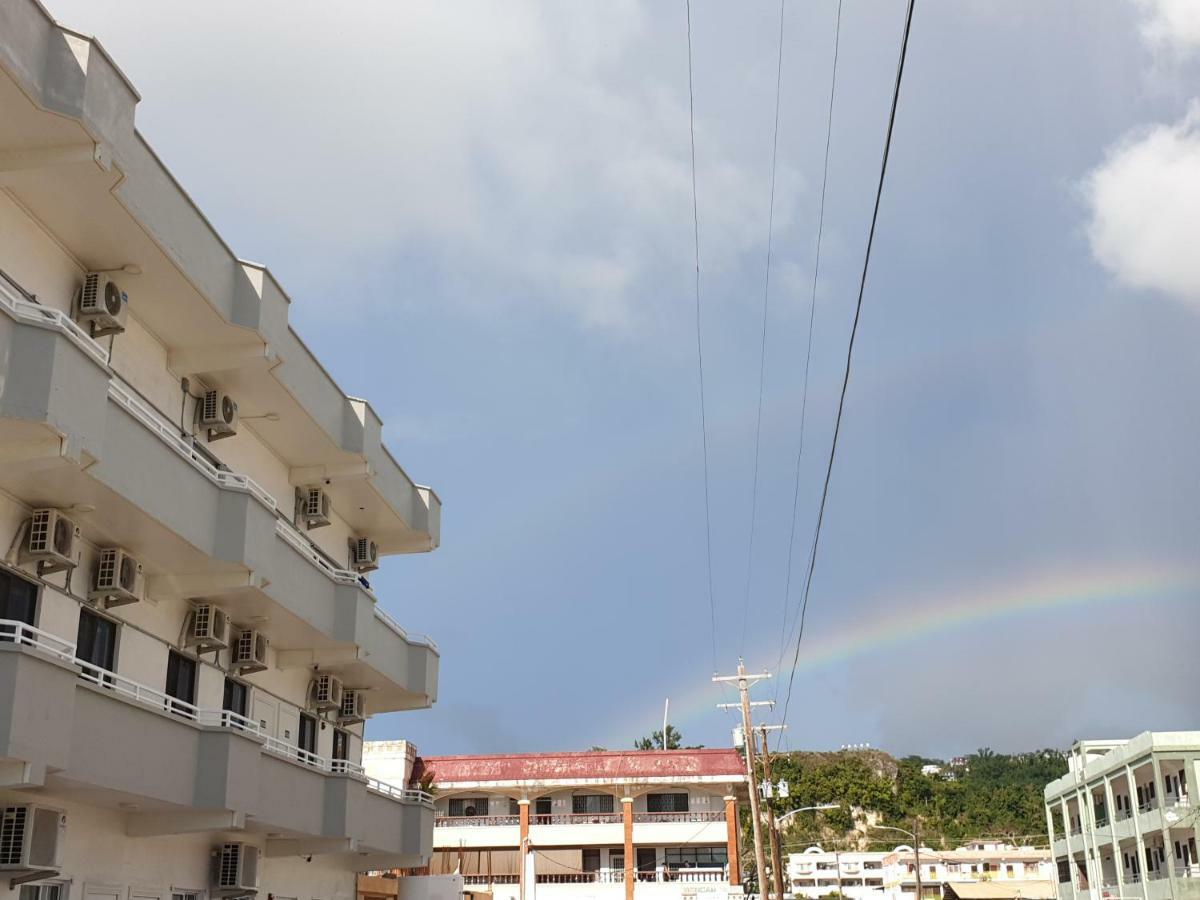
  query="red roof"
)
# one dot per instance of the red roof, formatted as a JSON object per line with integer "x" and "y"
{"x": 612, "y": 765}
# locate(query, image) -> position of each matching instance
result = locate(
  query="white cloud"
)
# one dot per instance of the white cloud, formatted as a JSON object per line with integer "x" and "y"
{"x": 1145, "y": 208}
{"x": 538, "y": 146}
{"x": 1172, "y": 23}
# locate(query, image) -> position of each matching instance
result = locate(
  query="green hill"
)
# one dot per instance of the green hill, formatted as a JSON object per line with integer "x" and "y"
{"x": 988, "y": 795}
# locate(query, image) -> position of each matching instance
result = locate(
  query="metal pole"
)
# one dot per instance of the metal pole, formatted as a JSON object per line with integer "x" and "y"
{"x": 837, "y": 861}
{"x": 917, "y": 857}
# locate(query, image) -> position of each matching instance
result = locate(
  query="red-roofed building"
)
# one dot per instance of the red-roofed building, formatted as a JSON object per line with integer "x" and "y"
{"x": 601, "y": 825}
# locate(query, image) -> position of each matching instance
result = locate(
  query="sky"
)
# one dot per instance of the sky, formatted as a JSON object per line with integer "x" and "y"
{"x": 483, "y": 214}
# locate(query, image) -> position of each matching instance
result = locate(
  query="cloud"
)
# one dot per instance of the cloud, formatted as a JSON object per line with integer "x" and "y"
{"x": 538, "y": 149}
{"x": 1174, "y": 24}
{"x": 1145, "y": 208}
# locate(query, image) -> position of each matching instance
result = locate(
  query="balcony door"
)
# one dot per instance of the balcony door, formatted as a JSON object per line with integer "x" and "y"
{"x": 647, "y": 863}
{"x": 96, "y": 643}
{"x": 542, "y": 809}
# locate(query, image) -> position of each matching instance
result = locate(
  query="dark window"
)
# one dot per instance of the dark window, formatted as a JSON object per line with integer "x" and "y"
{"x": 514, "y": 808}
{"x": 181, "y": 682}
{"x": 341, "y": 744}
{"x": 666, "y": 803}
{"x": 591, "y": 803}
{"x": 18, "y": 602}
{"x": 542, "y": 808}
{"x": 591, "y": 860}
{"x": 468, "y": 806}
{"x": 237, "y": 697}
{"x": 96, "y": 644}
{"x": 307, "y": 739}
{"x": 693, "y": 857}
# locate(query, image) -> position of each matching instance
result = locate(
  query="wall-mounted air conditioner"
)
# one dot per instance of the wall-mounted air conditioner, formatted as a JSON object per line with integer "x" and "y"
{"x": 53, "y": 541}
{"x": 103, "y": 305}
{"x": 327, "y": 691}
{"x": 354, "y": 707}
{"x": 250, "y": 651}
{"x": 316, "y": 507}
{"x": 364, "y": 554}
{"x": 31, "y": 837}
{"x": 208, "y": 628}
{"x": 218, "y": 414}
{"x": 235, "y": 869}
{"x": 118, "y": 578}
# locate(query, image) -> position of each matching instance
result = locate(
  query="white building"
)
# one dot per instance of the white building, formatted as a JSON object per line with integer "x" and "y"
{"x": 891, "y": 874}
{"x": 188, "y": 508}
{"x": 1122, "y": 822}
{"x": 605, "y": 825}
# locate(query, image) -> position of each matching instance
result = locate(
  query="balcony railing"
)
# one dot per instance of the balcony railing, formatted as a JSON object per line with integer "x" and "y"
{"x": 44, "y": 317}
{"x": 578, "y": 819}
{"x": 474, "y": 821}
{"x": 679, "y": 817}
{"x": 152, "y": 698}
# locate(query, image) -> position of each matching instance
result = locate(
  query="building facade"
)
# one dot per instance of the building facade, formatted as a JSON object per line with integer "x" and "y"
{"x": 601, "y": 824}
{"x": 190, "y": 507}
{"x": 1121, "y": 821}
{"x": 891, "y": 874}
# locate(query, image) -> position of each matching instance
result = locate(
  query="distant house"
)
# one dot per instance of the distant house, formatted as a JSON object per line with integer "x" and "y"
{"x": 933, "y": 770}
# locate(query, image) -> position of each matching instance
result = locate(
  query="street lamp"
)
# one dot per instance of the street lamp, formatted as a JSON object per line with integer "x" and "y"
{"x": 916, "y": 839}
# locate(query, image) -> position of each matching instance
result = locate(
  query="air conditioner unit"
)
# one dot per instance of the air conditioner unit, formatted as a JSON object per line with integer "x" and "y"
{"x": 235, "y": 870}
{"x": 364, "y": 554}
{"x": 354, "y": 707}
{"x": 53, "y": 541}
{"x": 103, "y": 304}
{"x": 208, "y": 628}
{"x": 316, "y": 507}
{"x": 31, "y": 838}
{"x": 250, "y": 651}
{"x": 327, "y": 691}
{"x": 118, "y": 578}
{"x": 218, "y": 414}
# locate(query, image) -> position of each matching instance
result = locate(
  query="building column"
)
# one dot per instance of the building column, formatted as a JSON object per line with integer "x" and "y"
{"x": 1112, "y": 830}
{"x": 1137, "y": 831}
{"x": 1072, "y": 866}
{"x": 523, "y": 809}
{"x": 627, "y": 817}
{"x": 731, "y": 840}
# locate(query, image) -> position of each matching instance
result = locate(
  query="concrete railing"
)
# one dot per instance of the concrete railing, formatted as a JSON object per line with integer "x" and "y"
{"x": 35, "y": 314}
{"x": 706, "y": 816}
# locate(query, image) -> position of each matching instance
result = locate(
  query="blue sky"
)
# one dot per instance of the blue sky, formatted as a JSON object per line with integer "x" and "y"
{"x": 482, "y": 212}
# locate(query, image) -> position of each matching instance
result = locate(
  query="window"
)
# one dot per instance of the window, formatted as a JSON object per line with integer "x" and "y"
{"x": 468, "y": 806}
{"x": 96, "y": 643}
{"x": 514, "y": 808}
{"x": 616, "y": 860}
{"x": 47, "y": 891}
{"x": 666, "y": 803}
{"x": 307, "y": 738}
{"x": 18, "y": 602}
{"x": 341, "y": 744}
{"x": 591, "y": 860}
{"x": 237, "y": 697}
{"x": 181, "y": 682}
{"x": 696, "y": 857}
{"x": 185, "y": 895}
{"x": 591, "y": 804}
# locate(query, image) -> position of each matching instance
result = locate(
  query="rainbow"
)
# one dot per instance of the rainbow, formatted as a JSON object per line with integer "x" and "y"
{"x": 908, "y": 618}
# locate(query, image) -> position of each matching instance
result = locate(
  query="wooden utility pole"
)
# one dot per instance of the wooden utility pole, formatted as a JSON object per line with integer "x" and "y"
{"x": 776, "y": 856}
{"x": 917, "y": 857}
{"x": 744, "y": 682}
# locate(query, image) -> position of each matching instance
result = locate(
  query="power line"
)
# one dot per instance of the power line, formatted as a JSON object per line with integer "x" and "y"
{"x": 762, "y": 353}
{"x": 862, "y": 287}
{"x": 784, "y": 632}
{"x": 712, "y": 605}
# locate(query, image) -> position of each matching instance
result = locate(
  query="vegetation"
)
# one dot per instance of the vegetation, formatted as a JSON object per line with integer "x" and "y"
{"x": 990, "y": 795}
{"x": 655, "y": 741}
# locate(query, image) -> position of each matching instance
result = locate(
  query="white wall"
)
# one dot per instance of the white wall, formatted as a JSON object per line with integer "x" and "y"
{"x": 97, "y": 852}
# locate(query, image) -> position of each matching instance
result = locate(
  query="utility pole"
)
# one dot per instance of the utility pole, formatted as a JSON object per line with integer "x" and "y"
{"x": 917, "y": 857}
{"x": 776, "y": 856}
{"x": 743, "y": 684}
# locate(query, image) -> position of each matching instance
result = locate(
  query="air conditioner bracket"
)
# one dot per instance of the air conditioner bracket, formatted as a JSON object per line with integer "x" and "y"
{"x": 32, "y": 875}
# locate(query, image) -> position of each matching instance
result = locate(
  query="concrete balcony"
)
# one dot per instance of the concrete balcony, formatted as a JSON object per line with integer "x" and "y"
{"x": 74, "y": 435}
{"x": 94, "y": 736}
{"x": 75, "y": 160}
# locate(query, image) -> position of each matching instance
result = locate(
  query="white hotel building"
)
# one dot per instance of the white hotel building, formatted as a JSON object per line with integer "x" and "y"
{"x": 189, "y": 506}
{"x": 891, "y": 874}
{"x": 601, "y": 825}
{"x": 1123, "y": 822}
